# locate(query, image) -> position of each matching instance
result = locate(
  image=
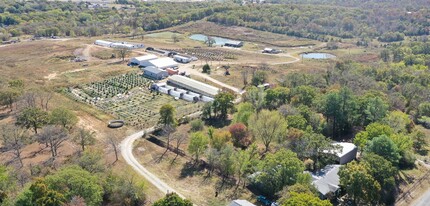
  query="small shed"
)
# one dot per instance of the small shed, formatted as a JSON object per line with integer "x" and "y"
{"x": 161, "y": 63}
{"x": 182, "y": 59}
{"x": 141, "y": 59}
{"x": 154, "y": 73}
{"x": 232, "y": 43}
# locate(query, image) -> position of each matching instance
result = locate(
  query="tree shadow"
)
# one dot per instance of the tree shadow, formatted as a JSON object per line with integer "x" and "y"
{"x": 217, "y": 123}
{"x": 190, "y": 169}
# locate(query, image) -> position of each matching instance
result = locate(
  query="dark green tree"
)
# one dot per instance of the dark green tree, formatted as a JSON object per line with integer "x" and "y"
{"x": 167, "y": 115}
{"x": 172, "y": 199}
{"x": 222, "y": 103}
{"x": 33, "y": 118}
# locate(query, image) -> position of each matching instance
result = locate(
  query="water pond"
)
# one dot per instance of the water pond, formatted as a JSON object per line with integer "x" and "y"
{"x": 317, "y": 56}
{"x": 202, "y": 38}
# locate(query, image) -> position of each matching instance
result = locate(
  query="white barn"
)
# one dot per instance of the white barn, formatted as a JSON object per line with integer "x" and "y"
{"x": 141, "y": 59}
{"x": 193, "y": 85}
{"x": 103, "y": 43}
{"x": 162, "y": 63}
{"x": 182, "y": 59}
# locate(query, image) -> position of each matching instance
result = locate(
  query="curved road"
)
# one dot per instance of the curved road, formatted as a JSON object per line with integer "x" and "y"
{"x": 127, "y": 153}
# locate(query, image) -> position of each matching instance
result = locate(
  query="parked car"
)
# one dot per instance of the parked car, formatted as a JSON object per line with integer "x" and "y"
{"x": 264, "y": 200}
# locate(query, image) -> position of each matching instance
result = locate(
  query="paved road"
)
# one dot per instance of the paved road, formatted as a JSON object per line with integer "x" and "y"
{"x": 127, "y": 154}
{"x": 424, "y": 200}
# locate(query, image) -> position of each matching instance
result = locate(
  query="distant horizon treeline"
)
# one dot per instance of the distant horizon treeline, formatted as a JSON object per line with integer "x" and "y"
{"x": 383, "y": 20}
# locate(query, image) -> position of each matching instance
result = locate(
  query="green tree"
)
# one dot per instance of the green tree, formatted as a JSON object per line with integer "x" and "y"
{"x": 244, "y": 111}
{"x": 297, "y": 121}
{"x": 39, "y": 193}
{"x": 398, "y": 121}
{"x": 359, "y": 184}
{"x": 339, "y": 108}
{"x": 259, "y": 77}
{"x": 310, "y": 145}
{"x": 64, "y": 117}
{"x": 75, "y": 181}
{"x": 222, "y": 103}
{"x": 384, "y": 147}
{"x": 197, "y": 145}
{"x": 382, "y": 171}
{"x": 303, "y": 95}
{"x": 7, "y": 183}
{"x": 278, "y": 170}
{"x": 245, "y": 161}
{"x": 175, "y": 38}
{"x": 206, "y": 69}
{"x": 385, "y": 55}
{"x": 9, "y": 96}
{"x": 268, "y": 126}
{"x": 122, "y": 52}
{"x": 375, "y": 110}
{"x": 84, "y": 138}
{"x": 33, "y": 118}
{"x": 219, "y": 139}
{"x": 276, "y": 97}
{"x": 124, "y": 189}
{"x": 305, "y": 199}
{"x": 227, "y": 162}
{"x": 256, "y": 96}
{"x": 167, "y": 115}
{"x": 372, "y": 130}
{"x": 172, "y": 199}
{"x": 210, "y": 41}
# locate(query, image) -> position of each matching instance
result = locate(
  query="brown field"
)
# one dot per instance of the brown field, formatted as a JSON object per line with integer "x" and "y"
{"x": 261, "y": 38}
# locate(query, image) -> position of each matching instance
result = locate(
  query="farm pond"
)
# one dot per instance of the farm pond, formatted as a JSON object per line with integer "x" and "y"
{"x": 202, "y": 38}
{"x": 317, "y": 56}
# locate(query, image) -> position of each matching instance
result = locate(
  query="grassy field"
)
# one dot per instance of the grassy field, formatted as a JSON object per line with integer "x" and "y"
{"x": 260, "y": 38}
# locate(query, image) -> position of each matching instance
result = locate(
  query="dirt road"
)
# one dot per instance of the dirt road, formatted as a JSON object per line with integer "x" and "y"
{"x": 127, "y": 153}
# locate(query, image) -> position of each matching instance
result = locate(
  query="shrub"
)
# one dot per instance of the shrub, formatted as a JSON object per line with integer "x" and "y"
{"x": 197, "y": 125}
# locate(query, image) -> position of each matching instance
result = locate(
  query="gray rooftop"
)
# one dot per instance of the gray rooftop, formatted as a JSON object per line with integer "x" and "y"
{"x": 194, "y": 85}
{"x": 327, "y": 180}
{"x": 153, "y": 70}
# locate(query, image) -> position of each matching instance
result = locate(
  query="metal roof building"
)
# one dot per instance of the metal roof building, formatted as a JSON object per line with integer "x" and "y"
{"x": 347, "y": 153}
{"x": 327, "y": 180}
{"x": 155, "y": 73}
{"x": 140, "y": 59}
{"x": 232, "y": 43}
{"x": 162, "y": 63}
{"x": 193, "y": 85}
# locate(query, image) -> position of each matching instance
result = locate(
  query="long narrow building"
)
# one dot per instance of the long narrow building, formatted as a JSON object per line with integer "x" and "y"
{"x": 193, "y": 85}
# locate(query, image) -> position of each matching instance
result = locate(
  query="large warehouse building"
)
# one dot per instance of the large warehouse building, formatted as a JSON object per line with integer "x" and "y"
{"x": 161, "y": 63}
{"x": 142, "y": 59}
{"x": 193, "y": 85}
